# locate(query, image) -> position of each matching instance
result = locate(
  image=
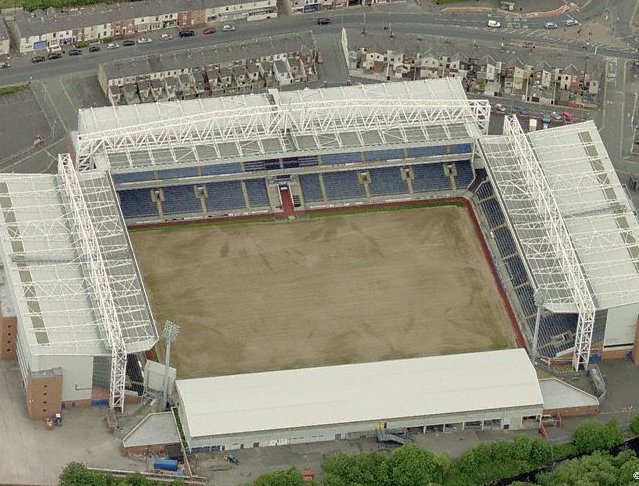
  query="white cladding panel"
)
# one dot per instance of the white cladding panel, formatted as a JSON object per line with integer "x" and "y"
{"x": 621, "y": 324}
{"x": 77, "y": 374}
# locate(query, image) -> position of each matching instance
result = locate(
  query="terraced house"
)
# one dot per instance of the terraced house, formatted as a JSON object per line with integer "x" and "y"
{"x": 46, "y": 29}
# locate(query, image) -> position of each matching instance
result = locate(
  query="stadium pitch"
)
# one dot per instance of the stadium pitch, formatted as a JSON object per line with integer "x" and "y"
{"x": 331, "y": 290}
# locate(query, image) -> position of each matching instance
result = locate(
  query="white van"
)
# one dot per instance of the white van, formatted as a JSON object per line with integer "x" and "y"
{"x": 494, "y": 24}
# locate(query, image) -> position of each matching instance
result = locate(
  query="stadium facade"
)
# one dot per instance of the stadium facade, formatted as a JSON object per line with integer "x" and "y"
{"x": 561, "y": 230}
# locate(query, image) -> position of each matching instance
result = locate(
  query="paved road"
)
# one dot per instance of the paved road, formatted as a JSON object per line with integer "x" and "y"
{"x": 407, "y": 19}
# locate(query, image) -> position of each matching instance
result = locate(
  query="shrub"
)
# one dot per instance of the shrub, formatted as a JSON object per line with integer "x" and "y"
{"x": 634, "y": 424}
{"x": 592, "y": 435}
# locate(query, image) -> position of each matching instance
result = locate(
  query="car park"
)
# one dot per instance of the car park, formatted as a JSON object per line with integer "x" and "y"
{"x": 209, "y": 30}
{"x": 128, "y": 43}
{"x": 166, "y": 37}
{"x": 75, "y": 52}
{"x": 571, "y": 22}
{"x": 54, "y": 55}
{"x": 550, "y": 25}
{"x": 323, "y": 21}
{"x": 145, "y": 40}
{"x": 4, "y": 65}
{"x": 94, "y": 49}
{"x": 187, "y": 33}
{"x": 494, "y": 24}
{"x": 113, "y": 45}
{"x": 38, "y": 59}
{"x": 228, "y": 28}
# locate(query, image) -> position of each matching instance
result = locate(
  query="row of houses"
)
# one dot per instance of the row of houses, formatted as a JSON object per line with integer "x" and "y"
{"x": 233, "y": 68}
{"x": 307, "y": 6}
{"x": 383, "y": 57}
{"x": 45, "y": 29}
{"x": 4, "y": 38}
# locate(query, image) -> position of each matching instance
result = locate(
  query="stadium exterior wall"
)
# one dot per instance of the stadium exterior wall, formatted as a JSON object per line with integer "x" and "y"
{"x": 77, "y": 372}
{"x": 621, "y": 324}
{"x": 510, "y": 419}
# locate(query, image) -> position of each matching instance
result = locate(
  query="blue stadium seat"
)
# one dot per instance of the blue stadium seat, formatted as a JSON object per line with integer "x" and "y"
{"x": 526, "y": 300}
{"x": 387, "y": 180}
{"x": 180, "y": 199}
{"x": 485, "y": 190}
{"x": 505, "y": 242}
{"x": 311, "y": 188}
{"x": 177, "y": 173}
{"x": 220, "y": 169}
{"x": 493, "y": 213}
{"x": 348, "y": 158}
{"x": 343, "y": 185}
{"x": 516, "y": 270}
{"x": 464, "y": 174}
{"x": 430, "y": 177}
{"x": 379, "y": 155}
{"x": 133, "y": 177}
{"x": 257, "y": 193}
{"x": 137, "y": 203}
{"x": 224, "y": 195}
{"x": 425, "y": 151}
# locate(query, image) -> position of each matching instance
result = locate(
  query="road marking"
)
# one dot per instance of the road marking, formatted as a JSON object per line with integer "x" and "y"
{"x": 55, "y": 108}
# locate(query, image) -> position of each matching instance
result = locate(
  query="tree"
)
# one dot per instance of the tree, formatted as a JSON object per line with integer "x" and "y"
{"x": 413, "y": 466}
{"x": 288, "y": 477}
{"x": 593, "y": 470}
{"x": 76, "y": 474}
{"x": 592, "y": 435}
{"x": 634, "y": 424}
{"x": 357, "y": 470}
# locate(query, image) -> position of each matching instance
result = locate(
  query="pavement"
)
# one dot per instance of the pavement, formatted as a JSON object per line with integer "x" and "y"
{"x": 253, "y": 462}
{"x": 32, "y": 454}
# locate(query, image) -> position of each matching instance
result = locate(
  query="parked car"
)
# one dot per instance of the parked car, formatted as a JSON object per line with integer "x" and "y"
{"x": 165, "y": 37}
{"x": 128, "y": 43}
{"x": 4, "y": 65}
{"x": 113, "y": 45}
{"x": 187, "y": 33}
{"x": 323, "y": 21}
{"x": 145, "y": 40}
{"x": 94, "y": 49}
{"x": 522, "y": 111}
{"x": 571, "y": 22}
{"x": 209, "y": 30}
{"x": 75, "y": 52}
{"x": 54, "y": 55}
{"x": 38, "y": 59}
{"x": 228, "y": 28}
{"x": 567, "y": 116}
{"x": 499, "y": 108}
{"x": 494, "y": 24}
{"x": 556, "y": 116}
{"x": 550, "y": 25}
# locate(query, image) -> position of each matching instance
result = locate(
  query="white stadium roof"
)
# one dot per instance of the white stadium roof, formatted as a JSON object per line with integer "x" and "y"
{"x": 277, "y": 124}
{"x": 359, "y": 392}
{"x": 46, "y": 227}
{"x": 572, "y": 219}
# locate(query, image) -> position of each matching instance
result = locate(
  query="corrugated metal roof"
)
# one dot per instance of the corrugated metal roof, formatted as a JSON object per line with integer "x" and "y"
{"x": 359, "y": 392}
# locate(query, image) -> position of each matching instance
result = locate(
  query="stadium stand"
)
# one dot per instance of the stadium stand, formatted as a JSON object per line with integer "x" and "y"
{"x": 221, "y": 169}
{"x": 464, "y": 174}
{"x": 177, "y": 173}
{"x": 137, "y": 203}
{"x": 505, "y": 242}
{"x": 377, "y": 155}
{"x": 343, "y": 185}
{"x": 387, "y": 180}
{"x": 180, "y": 199}
{"x": 257, "y": 194}
{"x": 311, "y": 188}
{"x": 133, "y": 177}
{"x": 224, "y": 195}
{"x": 516, "y": 270}
{"x": 484, "y": 191}
{"x": 493, "y": 213}
{"x": 335, "y": 159}
{"x": 430, "y": 177}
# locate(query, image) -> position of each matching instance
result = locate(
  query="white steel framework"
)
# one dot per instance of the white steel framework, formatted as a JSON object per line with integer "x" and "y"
{"x": 91, "y": 252}
{"x": 548, "y": 247}
{"x": 314, "y": 120}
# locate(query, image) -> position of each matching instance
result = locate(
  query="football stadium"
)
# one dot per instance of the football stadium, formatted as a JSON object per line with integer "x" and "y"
{"x": 365, "y": 258}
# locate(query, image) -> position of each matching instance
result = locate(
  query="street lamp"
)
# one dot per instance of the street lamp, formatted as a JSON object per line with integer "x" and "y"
{"x": 170, "y": 335}
{"x": 539, "y": 298}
